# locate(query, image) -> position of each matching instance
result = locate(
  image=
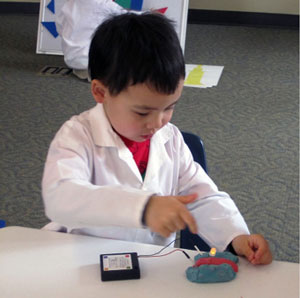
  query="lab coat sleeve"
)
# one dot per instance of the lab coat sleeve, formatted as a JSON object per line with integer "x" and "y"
{"x": 72, "y": 200}
{"x": 218, "y": 218}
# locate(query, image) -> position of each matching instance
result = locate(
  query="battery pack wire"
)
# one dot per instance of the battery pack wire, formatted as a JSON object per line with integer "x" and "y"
{"x": 158, "y": 254}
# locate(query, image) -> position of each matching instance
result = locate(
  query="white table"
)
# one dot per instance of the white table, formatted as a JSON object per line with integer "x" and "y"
{"x": 36, "y": 263}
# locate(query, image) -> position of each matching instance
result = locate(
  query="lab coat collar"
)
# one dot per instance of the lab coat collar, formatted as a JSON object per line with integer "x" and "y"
{"x": 105, "y": 136}
{"x": 102, "y": 131}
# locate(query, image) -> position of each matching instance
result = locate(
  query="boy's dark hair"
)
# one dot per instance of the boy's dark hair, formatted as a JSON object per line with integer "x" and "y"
{"x": 129, "y": 49}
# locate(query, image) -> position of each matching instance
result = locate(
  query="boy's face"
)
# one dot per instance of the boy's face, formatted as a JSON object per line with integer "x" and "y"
{"x": 137, "y": 112}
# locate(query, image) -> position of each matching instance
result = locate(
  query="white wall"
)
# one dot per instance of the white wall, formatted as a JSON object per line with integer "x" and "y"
{"x": 265, "y": 6}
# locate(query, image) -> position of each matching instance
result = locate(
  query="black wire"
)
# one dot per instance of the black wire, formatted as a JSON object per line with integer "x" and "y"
{"x": 157, "y": 253}
{"x": 160, "y": 250}
{"x": 186, "y": 254}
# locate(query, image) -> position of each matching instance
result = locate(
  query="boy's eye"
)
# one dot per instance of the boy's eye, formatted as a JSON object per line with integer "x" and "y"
{"x": 141, "y": 114}
{"x": 170, "y": 108}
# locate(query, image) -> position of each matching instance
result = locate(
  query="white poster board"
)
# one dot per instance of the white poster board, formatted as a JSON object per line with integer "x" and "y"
{"x": 49, "y": 42}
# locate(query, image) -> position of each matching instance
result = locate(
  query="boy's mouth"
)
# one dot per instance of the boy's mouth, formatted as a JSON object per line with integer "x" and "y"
{"x": 146, "y": 137}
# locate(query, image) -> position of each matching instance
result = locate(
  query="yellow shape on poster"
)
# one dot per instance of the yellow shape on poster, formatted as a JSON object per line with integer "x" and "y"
{"x": 195, "y": 76}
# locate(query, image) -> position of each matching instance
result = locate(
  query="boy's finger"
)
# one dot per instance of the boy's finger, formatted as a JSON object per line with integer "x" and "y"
{"x": 190, "y": 221}
{"x": 187, "y": 199}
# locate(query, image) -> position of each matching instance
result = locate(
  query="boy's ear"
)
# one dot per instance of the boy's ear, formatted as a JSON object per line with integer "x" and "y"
{"x": 99, "y": 91}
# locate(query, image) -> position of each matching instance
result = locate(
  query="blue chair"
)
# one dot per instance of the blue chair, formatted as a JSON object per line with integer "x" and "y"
{"x": 2, "y": 223}
{"x": 195, "y": 144}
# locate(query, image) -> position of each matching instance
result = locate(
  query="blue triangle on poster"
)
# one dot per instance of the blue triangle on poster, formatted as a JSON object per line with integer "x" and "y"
{"x": 51, "y": 27}
{"x": 136, "y": 4}
{"x": 51, "y": 6}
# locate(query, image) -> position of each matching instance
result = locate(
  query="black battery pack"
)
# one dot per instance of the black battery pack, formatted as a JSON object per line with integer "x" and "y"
{"x": 119, "y": 266}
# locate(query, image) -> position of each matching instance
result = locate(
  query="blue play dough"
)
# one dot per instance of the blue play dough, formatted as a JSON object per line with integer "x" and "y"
{"x": 212, "y": 273}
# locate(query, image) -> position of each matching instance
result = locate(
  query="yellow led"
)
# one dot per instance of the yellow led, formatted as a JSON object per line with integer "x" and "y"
{"x": 213, "y": 252}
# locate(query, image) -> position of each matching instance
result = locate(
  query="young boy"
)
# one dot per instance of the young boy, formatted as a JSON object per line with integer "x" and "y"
{"x": 121, "y": 170}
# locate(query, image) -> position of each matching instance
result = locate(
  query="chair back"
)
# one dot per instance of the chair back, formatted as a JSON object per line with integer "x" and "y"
{"x": 2, "y": 223}
{"x": 196, "y": 147}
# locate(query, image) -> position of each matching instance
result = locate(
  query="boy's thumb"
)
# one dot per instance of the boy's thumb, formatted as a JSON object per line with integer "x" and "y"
{"x": 188, "y": 198}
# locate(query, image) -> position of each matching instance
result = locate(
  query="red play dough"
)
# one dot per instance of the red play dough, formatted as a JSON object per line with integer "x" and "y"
{"x": 216, "y": 261}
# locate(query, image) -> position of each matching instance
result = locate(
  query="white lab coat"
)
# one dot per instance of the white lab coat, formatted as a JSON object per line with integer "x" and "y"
{"x": 92, "y": 186}
{"x": 76, "y": 23}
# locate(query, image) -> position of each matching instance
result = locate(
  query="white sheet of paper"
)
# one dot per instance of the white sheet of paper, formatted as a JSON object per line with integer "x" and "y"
{"x": 202, "y": 76}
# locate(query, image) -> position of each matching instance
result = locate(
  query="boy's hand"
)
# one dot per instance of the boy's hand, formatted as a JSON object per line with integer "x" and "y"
{"x": 168, "y": 214}
{"x": 254, "y": 247}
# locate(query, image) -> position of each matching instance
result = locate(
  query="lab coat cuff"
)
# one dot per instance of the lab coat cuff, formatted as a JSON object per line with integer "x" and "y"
{"x": 228, "y": 245}
{"x": 143, "y": 219}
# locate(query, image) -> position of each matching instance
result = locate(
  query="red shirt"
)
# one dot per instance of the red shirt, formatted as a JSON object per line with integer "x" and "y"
{"x": 140, "y": 152}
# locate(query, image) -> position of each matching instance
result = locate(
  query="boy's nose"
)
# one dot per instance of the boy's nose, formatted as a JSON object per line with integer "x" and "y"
{"x": 156, "y": 122}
